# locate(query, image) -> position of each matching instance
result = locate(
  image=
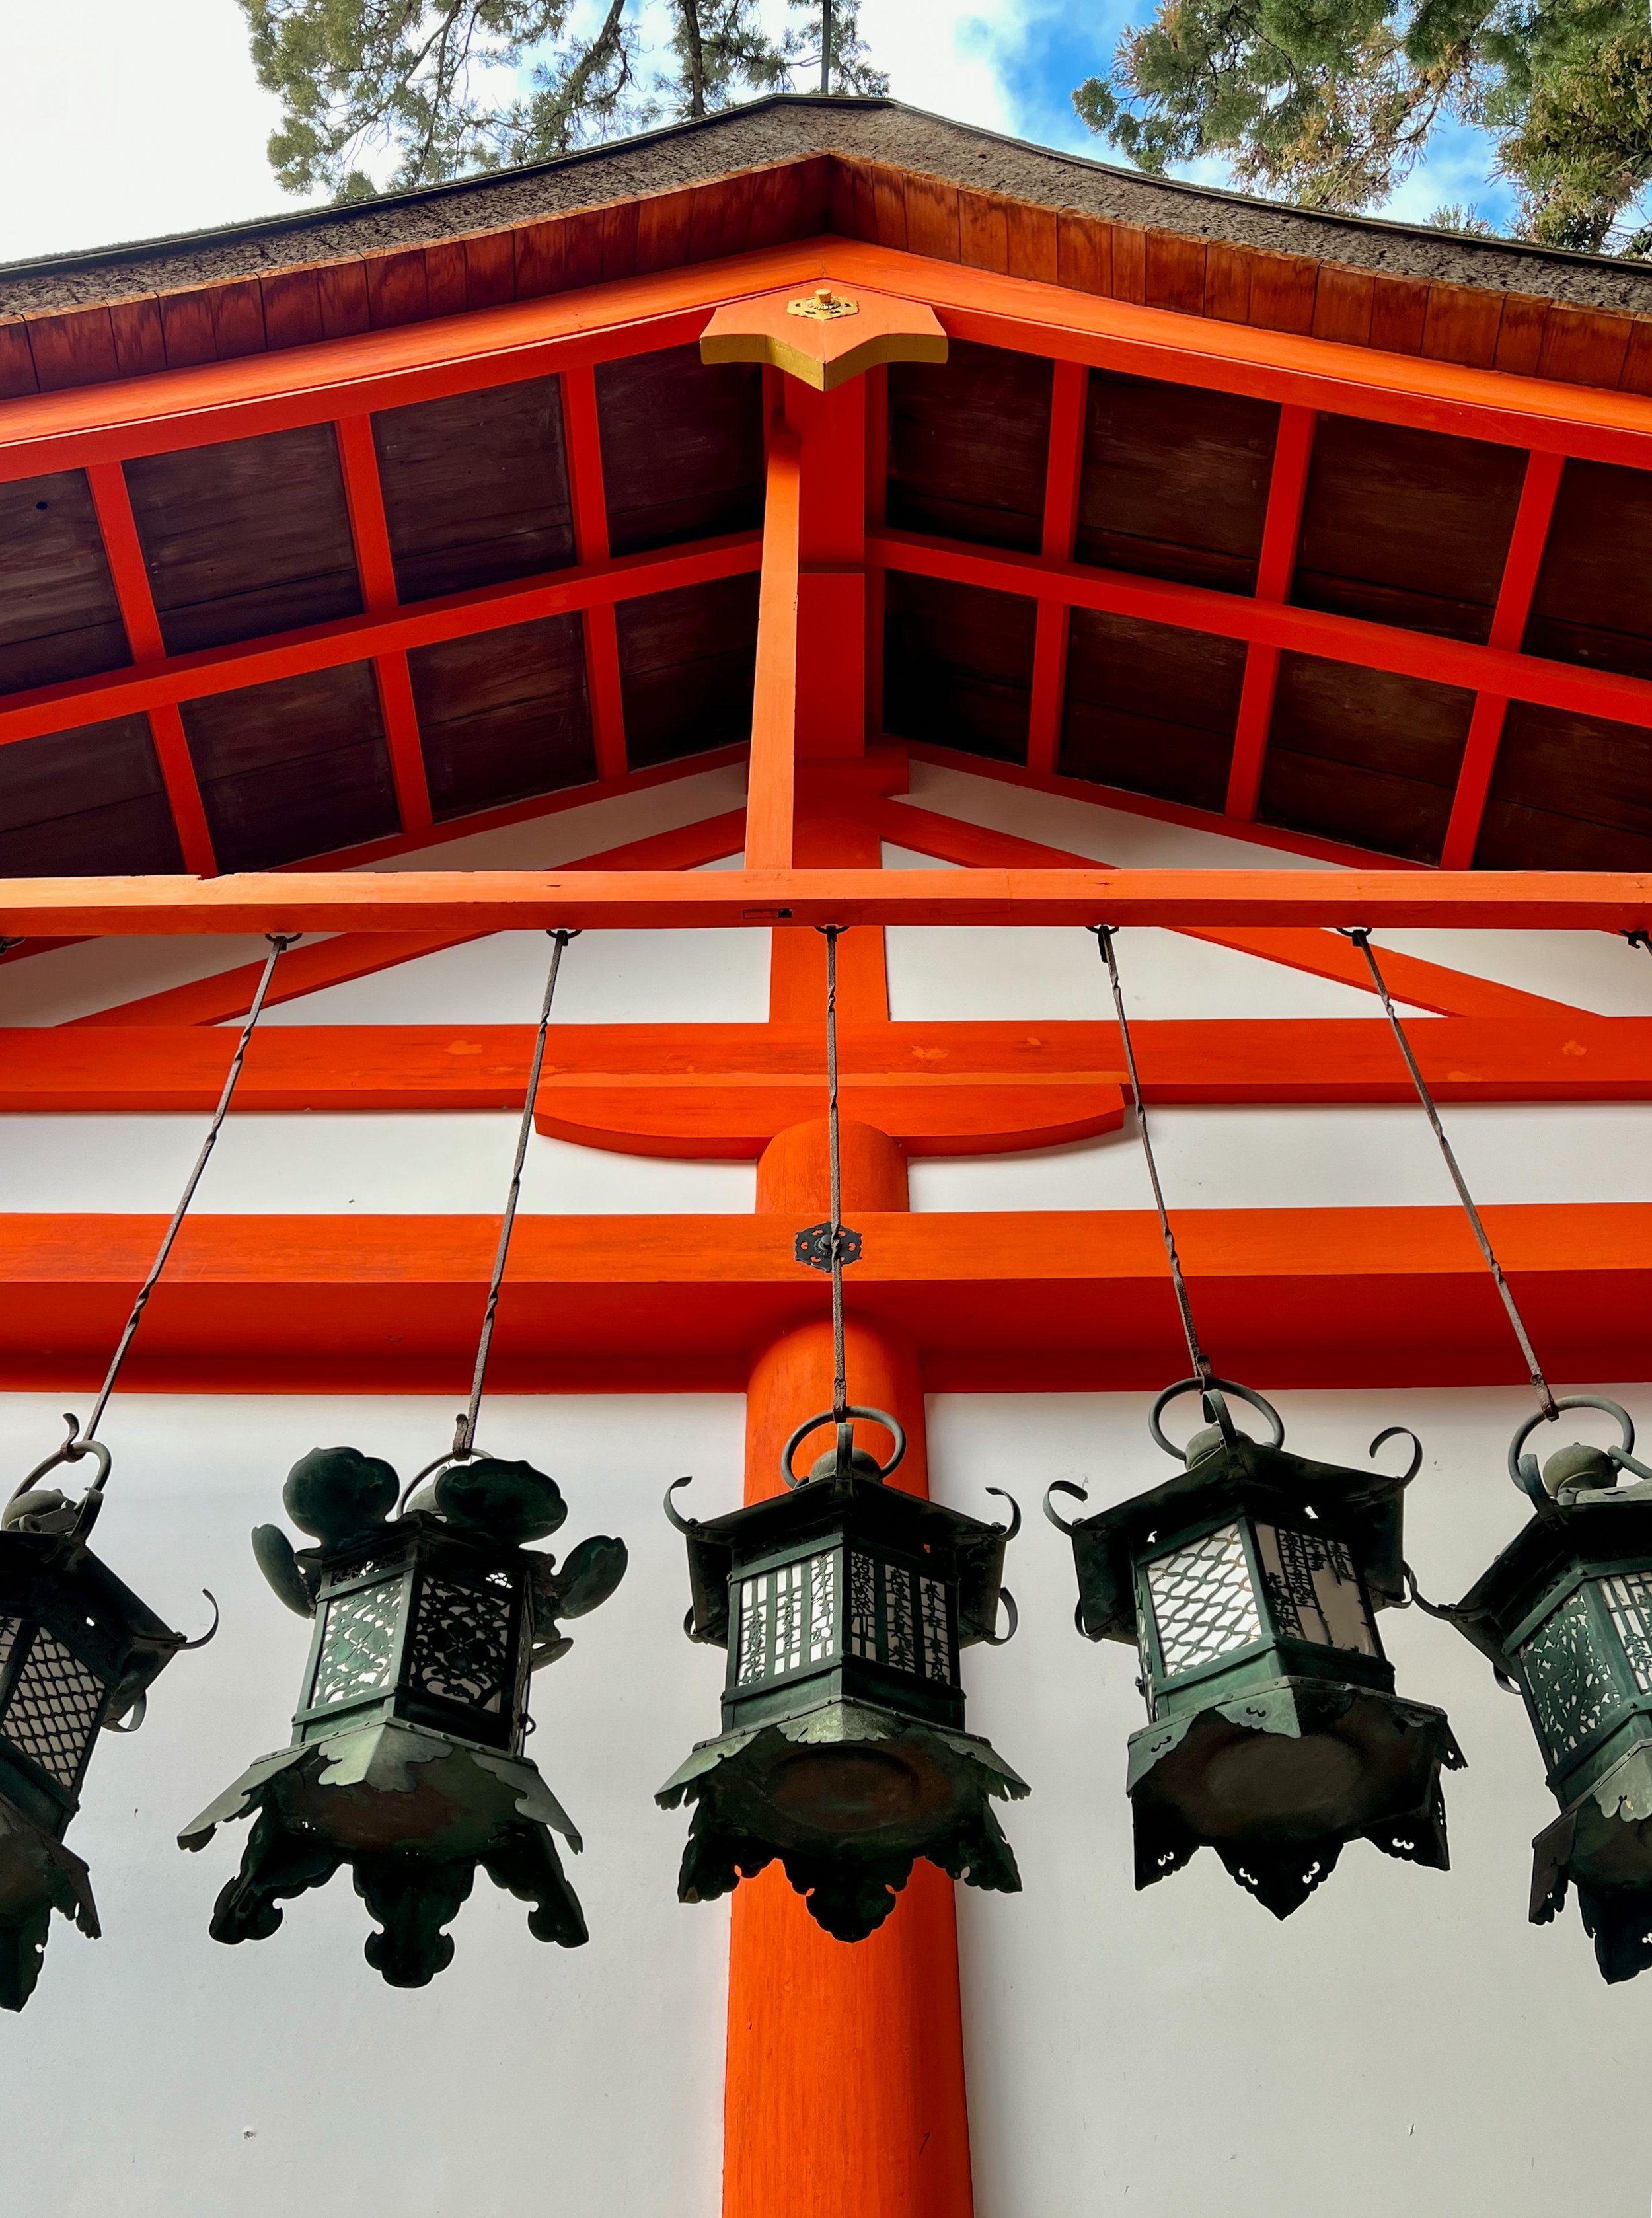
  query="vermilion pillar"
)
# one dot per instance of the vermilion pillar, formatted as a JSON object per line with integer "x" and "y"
{"x": 845, "y": 2089}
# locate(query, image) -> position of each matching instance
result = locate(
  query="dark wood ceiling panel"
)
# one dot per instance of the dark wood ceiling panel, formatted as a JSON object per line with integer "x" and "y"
{"x": 682, "y": 447}
{"x": 294, "y": 768}
{"x": 1175, "y": 481}
{"x": 1570, "y": 793}
{"x": 1150, "y": 708}
{"x": 475, "y": 488}
{"x": 1594, "y": 601}
{"x": 969, "y": 444}
{"x": 58, "y": 617}
{"x": 1407, "y": 527}
{"x": 247, "y": 537}
{"x": 85, "y": 803}
{"x": 686, "y": 661}
{"x": 1364, "y": 756}
{"x": 504, "y": 715}
{"x": 958, "y": 666}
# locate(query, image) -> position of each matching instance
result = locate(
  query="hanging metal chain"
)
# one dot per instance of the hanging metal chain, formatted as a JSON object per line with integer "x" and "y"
{"x": 1361, "y": 939}
{"x": 840, "y": 1379}
{"x": 279, "y": 943}
{"x": 1202, "y": 1371}
{"x": 464, "y": 1438}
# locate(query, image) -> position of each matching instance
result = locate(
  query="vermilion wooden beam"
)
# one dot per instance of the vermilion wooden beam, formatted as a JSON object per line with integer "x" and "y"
{"x": 306, "y": 970}
{"x": 1519, "y": 583}
{"x": 374, "y": 566}
{"x": 1063, "y": 470}
{"x": 1306, "y": 631}
{"x": 129, "y": 575}
{"x": 359, "y": 639}
{"x": 724, "y": 1090}
{"x": 525, "y": 901}
{"x": 769, "y": 792}
{"x": 531, "y": 338}
{"x": 582, "y": 436}
{"x": 831, "y": 679}
{"x": 1281, "y": 528}
{"x": 1321, "y": 954}
{"x": 1059, "y": 1302}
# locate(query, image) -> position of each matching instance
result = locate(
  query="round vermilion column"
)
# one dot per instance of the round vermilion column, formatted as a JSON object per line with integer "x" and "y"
{"x": 844, "y": 2096}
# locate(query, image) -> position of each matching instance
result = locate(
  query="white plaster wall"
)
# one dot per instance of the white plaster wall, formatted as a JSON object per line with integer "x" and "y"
{"x": 1405, "y": 2042}
{"x": 158, "y": 2074}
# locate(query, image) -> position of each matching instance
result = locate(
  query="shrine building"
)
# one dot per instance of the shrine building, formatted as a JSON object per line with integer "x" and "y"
{"x": 874, "y": 702}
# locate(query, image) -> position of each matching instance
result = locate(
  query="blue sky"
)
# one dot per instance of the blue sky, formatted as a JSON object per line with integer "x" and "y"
{"x": 126, "y": 121}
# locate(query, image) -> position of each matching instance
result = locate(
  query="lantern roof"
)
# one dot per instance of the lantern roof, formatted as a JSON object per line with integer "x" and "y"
{"x": 1607, "y": 1528}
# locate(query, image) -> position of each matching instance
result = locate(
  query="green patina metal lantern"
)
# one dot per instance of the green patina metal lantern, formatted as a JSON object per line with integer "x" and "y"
{"x": 77, "y": 1653}
{"x": 843, "y": 1604}
{"x": 1250, "y": 1585}
{"x": 406, "y": 1761}
{"x": 1566, "y": 1612}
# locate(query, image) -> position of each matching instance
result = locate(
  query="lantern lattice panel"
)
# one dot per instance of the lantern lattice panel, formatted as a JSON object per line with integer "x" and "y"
{"x": 462, "y": 1645}
{"x": 1630, "y": 1601}
{"x": 360, "y": 1643}
{"x": 788, "y": 1616}
{"x": 1203, "y": 1601}
{"x": 53, "y": 1708}
{"x": 1571, "y": 1682}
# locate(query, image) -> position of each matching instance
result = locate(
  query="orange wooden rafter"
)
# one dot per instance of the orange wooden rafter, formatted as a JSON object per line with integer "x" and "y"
{"x": 1281, "y": 528}
{"x": 303, "y": 970}
{"x": 1056, "y": 1302}
{"x": 1519, "y": 583}
{"x": 582, "y": 438}
{"x": 369, "y": 530}
{"x": 130, "y": 578}
{"x": 359, "y": 639}
{"x": 468, "y": 901}
{"x": 1064, "y": 471}
{"x": 1322, "y": 954}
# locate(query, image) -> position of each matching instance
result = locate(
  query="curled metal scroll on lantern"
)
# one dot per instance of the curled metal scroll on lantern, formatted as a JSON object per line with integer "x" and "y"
{"x": 843, "y": 1604}
{"x": 1250, "y": 1585}
{"x": 1565, "y": 1613}
{"x": 79, "y": 1651}
{"x": 406, "y": 1760}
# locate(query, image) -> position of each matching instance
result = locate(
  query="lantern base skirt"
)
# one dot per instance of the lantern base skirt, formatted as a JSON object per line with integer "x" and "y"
{"x": 1279, "y": 1778}
{"x": 414, "y": 1814}
{"x": 1602, "y": 1845}
{"x": 38, "y": 1875}
{"x": 847, "y": 1798}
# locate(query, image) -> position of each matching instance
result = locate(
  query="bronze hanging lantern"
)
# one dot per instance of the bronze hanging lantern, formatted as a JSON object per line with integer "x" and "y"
{"x": 79, "y": 1651}
{"x": 1565, "y": 1613}
{"x": 407, "y": 1759}
{"x": 1250, "y": 1585}
{"x": 843, "y": 1604}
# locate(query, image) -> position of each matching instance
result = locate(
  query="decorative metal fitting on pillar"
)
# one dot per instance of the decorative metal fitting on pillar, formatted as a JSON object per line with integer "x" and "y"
{"x": 1566, "y": 1612}
{"x": 1250, "y": 1585}
{"x": 79, "y": 1651}
{"x": 406, "y": 1760}
{"x": 843, "y": 1604}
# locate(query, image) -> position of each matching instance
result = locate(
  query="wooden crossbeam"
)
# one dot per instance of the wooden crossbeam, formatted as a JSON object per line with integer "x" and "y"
{"x": 359, "y": 639}
{"x": 582, "y": 438}
{"x": 622, "y": 1084}
{"x": 1063, "y": 472}
{"x": 1057, "y": 1302}
{"x": 526, "y": 900}
{"x": 1516, "y": 677}
{"x": 371, "y": 533}
{"x": 769, "y": 805}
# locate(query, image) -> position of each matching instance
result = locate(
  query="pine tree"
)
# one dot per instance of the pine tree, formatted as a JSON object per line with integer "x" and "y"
{"x": 1329, "y": 103}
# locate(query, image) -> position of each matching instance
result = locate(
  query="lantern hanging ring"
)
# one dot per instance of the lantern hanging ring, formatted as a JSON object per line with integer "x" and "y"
{"x": 1523, "y": 1469}
{"x": 1211, "y": 1391}
{"x": 891, "y": 1424}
